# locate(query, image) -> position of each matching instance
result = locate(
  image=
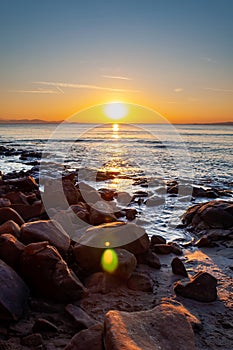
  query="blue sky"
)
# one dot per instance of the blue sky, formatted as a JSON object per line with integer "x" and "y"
{"x": 176, "y": 56}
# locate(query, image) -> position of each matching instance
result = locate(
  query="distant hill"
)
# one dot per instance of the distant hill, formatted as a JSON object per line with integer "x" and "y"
{"x": 27, "y": 121}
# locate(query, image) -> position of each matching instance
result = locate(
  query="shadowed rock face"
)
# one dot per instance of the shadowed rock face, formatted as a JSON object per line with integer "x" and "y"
{"x": 164, "y": 327}
{"x": 47, "y": 273}
{"x": 13, "y": 294}
{"x": 214, "y": 215}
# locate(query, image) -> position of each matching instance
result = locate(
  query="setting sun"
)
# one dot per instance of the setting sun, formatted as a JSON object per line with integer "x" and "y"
{"x": 115, "y": 110}
{"x": 115, "y": 127}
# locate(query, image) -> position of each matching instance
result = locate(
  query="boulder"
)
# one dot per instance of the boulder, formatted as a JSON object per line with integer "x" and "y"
{"x": 154, "y": 201}
{"x": 91, "y": 339}
{"x": 210, "y": 215}
{"x": 149, "y": 258}
{"x": 10, "y": 227}
{"x": 162, "y": 248}
{"x": 149, "y": 330}
{"x": 126, "y": 263}
{"x": 24, "y": 184}
{"x": 118, "y": 234}
{"x": 10, "y": 250}
{"x": 79, "y": 317}
{"x": 7, "y": 214}
{"x": 45, "y": 230}
{"x": 201, "y": 287}
{"x": 27, "y": 211}
{"x": 140, "y": 282}
{"x": 13, "y": 294}
{"x": 16, "y": 197}
{"x": 178, "y": 267}
{"x": 47, "y": 273}
{"x": 156, "y": 239}
{"x": 102, "y": 215}
{"x": 70, "y": 191}
{"x": 102, "y": 282}
{"x": 107, "y": 194}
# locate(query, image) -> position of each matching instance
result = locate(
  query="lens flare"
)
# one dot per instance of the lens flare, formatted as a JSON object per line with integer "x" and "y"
{"x": 109, "y": 260}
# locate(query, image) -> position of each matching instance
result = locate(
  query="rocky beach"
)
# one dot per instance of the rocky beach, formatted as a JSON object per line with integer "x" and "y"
{"x": 58, "y": 292}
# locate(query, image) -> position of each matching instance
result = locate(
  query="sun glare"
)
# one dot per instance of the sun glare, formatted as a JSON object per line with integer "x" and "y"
{"x": 115, "y": 110}
{"x": 115, "y": 127}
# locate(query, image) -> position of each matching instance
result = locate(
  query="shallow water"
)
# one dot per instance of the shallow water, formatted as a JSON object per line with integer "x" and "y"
{"x": 191, "y": 154}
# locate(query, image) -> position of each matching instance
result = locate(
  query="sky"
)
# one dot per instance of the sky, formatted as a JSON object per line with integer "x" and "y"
{"x": 172, "y": 56}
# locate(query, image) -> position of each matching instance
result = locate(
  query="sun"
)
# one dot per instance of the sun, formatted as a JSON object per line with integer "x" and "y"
{"x": 115, "y": 110}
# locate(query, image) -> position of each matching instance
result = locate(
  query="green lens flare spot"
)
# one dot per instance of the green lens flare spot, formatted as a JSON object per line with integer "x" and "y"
{"x": 109, "y": 260}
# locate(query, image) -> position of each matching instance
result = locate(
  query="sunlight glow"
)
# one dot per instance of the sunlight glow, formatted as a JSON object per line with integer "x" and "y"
{"x": 115, "y": 127}
{"x": 115, "y": 110}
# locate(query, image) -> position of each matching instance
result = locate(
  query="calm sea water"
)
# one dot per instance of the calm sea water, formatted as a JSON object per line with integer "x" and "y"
{"x": 194, "y": 154}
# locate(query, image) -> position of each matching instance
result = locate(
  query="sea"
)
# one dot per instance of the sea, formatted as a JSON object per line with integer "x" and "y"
{"x": 143, "y": 157}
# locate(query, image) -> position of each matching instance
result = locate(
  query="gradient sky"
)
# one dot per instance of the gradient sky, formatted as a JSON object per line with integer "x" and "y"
{"x": 175, "y": 56}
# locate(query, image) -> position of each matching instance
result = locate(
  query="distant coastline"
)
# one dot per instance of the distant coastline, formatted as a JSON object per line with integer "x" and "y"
{"x": 41, "y": 121}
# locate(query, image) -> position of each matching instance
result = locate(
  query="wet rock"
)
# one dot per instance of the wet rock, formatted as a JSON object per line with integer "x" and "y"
{"x": 4, "y": 202}
{"x": 176, "y": 249}
{"x": 211, "y": 215}
{"x": 123, "y": 235}
{"x": 201, "y": 287}
{"x": 91, "y": 338}
{"x": 208, "y": 193}
{"x": 153, "y": 329}
{"x": 13, "y": 294}
{"x": 154, "y": 201}
{"x": 130, "y": 213}
{"x": 32, "y": 340}
{"x": 70, "y": 191}
{"x": 43, "y": 325}
{"x": 102, "y": 215}
{"x": 27, "y": 211}
{"x": 149, "y": 258}
{"x": 47, "y": 273}
{"x": 7, "y": 214}
{"x": 178, "y": 267}
{"x": 203, "y": 242}
{"x": 156, "y": 239}
{"x": 10, "y": 227}
{"x": 107, "y": 194}
{"x": 124, "y": 198}
{"x": 24, "y": 184}
{"x": 45, "y": 230}
{"x": 80, "y": 317}
{"x": 126, "y": 264}
{"x": 10, "y": 250}
{"x": 140, "y": 282}
{"x": 162, "y": 248}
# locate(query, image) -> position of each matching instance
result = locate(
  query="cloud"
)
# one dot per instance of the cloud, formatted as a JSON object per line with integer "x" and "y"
{"x": 116, "y": 77}
{"x": 39, "y": 91}
{"x": 82, "y": 86}
{"x": 219, "y": 89}
{"x": 208, "y": 59}
{"x": 178, "y": 90}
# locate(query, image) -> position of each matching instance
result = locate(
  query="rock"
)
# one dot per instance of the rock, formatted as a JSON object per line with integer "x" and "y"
{"x": 91, "y": 339}
{"x": 140, "y": 282}
{"x": 126, "y": 263}
{"x": 128, "y": 236}
{"x": 32, "y": 340}
{"x": 13, "y": 294}
{"x": 102, "y": 282}
{"x": 210, "y": 215}
{"x": 149, "y": 330}
{"x": 130, "y": 213}
{"x": 149, "y": 258}
{"x": 70, "y": 191}
{"x": 10, "y": 227}
{"x": 24, "y": 184}
{"x": 45, "y": 230}
{"x": 201, "y": 287}
{"x": 10, "y": 250}
{"x": 27, "y": 211}
{"x": 80, "y": 317}
{"x": 124, "y": 198}
{"x": 7, "y": 214}
{"x": 203, "y": 242}
{"x": 162, "y": 248}
{"x": 43, "y": 325}
{"x": 4, "y": 202}
{"x": 17, "y": 197}
{"x": 47, "y": 273}
{"x": 178, "y": 267}
{"x": 107, "y": 194}
{"x": 176, "y": 249}
{"x": 102, "y": 215}
{"x": 155, "y": 201}
{"x": 156, "y": 239}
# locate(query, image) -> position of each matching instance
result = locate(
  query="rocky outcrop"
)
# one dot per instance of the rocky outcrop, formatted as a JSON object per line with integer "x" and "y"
{"x": 13, "y": 294}
{"x": 149, "y": 330}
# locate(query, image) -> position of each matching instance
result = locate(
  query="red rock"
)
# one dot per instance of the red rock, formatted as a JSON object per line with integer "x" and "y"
{"x": 201, "y": 287}
{"x": 48, "y": 275}
{"x": 162, "y": 248}
{"x": 13, "y": 294}
{"x": 140, "y": 282}
{"x": 165, "y": 327}
{"x": 107, "y": 194}
{"x": 10, "y": 227}
{"x": 130, "y": 213}
{"x": 90, "y": 339}
{"x": 45, "y": 230}
{"x": 10, "y": 250}
{"x": 156, "y": 239}
{"x": 29, "y": 211}
{"x": 80, "y": 317}
{"x": 4, "y": 202}
{"x": 24, "y": 184}
{"x": 16, "y": 197}
{"x": 203, "y": 242}
{"x": 178, "y": 267}
{"x": 7, "y": 214}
